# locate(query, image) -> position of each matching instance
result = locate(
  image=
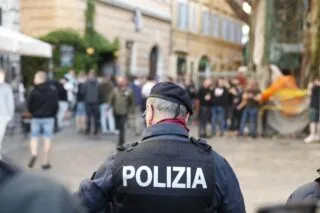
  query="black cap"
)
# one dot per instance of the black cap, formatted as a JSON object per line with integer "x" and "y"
{"x": 172, "y": 92}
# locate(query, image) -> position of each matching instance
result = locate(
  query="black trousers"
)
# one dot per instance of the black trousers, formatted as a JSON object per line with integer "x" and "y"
{"x": 235, "y": 119}
{"x": 204, "y": 117}
{"x": 92, "y": 111}
{"x": 121, "y": 123}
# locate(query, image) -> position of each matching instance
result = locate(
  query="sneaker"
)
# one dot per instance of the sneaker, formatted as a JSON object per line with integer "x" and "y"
{"x": 32, "y": 161}
{"x": 46, "y": 166}
{"x": 310, "y": 139}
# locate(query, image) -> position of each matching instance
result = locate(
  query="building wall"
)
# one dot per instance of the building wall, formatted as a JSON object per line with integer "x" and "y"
{"x": 114, "y": 22}
{"x": 114, "y": 19}
{"x": 10, "y": 19}
{"x": 38, "y": 17}
{"x": 196, "y": 39}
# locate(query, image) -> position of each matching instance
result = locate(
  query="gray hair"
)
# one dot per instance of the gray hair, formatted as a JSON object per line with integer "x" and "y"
{"x": 167, "y": 107}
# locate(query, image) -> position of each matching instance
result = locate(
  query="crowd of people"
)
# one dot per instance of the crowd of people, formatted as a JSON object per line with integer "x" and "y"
{"x": 107, "y": 105}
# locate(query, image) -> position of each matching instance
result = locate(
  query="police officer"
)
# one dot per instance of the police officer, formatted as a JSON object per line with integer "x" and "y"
{"x": 167, "y": 171}
{"x": 28, "y": 193}
{"x": 307, "y": 192}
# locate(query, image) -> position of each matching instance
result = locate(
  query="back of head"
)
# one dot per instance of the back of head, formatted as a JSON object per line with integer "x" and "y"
{"x": 167, "y": 101}
{"x": 167, "y": 109}
{"x": 122, "y": 81}
{"x": 40, "y": 77}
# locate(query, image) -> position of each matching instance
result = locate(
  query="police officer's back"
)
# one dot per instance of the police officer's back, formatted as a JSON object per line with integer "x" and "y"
{"x": 167, "y": 171}
{"x": 27, "y": 193}
{"x": 307, "y": 192}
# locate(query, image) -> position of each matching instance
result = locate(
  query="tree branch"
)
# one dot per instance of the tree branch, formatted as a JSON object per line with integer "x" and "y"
{"x": 237, "y": 8}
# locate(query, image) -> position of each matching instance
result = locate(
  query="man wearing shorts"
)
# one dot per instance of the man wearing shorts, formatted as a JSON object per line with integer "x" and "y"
{"x": 314, "y": 113}
{"x": 43, "y": 104}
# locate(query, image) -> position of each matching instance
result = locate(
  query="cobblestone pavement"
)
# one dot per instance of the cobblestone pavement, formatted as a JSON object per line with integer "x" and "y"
{"x": 268, "y": 169}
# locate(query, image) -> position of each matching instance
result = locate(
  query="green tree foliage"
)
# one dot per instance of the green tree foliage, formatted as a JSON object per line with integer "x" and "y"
{"x": 82, "y": 60}
{"x": 315, "y": 64}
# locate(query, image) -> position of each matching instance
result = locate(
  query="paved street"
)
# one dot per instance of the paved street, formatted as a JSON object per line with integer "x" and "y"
{"x": 268, "y": 170}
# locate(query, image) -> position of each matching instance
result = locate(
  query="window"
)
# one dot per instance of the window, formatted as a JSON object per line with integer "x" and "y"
{"x": 193, "y": 18}
{"x": 235, "y": 32}
{"x": 224, "y": 33}
{"x": 182, "y": 15}
{"x": 231, "y": 31}
{"x": 206, "y": 23}
{"x": 228, "y": 23}
{"x": 239, "y": 33}
{"x": 215, "y": 25}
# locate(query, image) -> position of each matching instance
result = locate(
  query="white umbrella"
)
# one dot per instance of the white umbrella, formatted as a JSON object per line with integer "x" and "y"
{"x": 16, "y": 42}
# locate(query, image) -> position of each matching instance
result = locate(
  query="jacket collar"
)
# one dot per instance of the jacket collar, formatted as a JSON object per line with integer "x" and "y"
{"x": 164, "y": 129}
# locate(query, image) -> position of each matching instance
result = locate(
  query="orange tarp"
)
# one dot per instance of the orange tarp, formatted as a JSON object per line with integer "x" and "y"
{"x": 283, "y": 82}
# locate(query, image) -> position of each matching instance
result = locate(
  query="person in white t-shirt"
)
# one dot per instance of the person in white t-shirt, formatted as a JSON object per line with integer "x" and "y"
{"x": 146, "y": 89}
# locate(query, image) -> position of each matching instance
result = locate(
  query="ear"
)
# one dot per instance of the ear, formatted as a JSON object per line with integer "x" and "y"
{"x": 151, "y": 117}
{"x": 187, "y": 117}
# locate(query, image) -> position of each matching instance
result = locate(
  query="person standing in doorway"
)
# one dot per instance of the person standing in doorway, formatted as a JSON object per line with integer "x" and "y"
{"x": 6, "y": 106}
{"x": 122, "y": 101}
{"x": 106, "y": 112}
{"x": 205, "y": 98}
{"x": 81, "y": 108}
{"x": 91, "y": 99}
{"x": 43, "y": 106}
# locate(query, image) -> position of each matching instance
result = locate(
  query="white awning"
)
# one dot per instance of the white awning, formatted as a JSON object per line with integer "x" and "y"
{"x": 16, "y": 42}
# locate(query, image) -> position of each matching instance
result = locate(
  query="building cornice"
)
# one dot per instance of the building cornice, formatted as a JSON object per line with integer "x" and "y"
{"x": 130, "y": 6}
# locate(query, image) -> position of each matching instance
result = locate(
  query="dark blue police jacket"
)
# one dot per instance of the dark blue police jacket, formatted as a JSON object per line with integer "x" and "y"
{"x": 94, "y": 193}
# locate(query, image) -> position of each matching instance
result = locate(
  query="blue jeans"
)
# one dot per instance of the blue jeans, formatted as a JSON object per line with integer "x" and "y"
{"x": 81, "y": 109}
{"x": 42, "y": 127}
{"x": 63, "y": 108}
{"x": 218, "y": 116}
{"x": 249, "y": 115}
{"x": 107, "y": 118}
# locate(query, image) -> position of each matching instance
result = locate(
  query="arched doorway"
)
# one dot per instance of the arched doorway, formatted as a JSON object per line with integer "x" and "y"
{"x": 153, "y": 61}
{"x": 204, "y": 70}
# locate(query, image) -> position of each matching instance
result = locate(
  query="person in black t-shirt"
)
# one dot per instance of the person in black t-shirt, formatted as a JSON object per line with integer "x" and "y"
{"x": 205, "y": 98}
{"x": 81, "y": 107}
{"x": 235, "y": 92}
{"x": 191, "y": 89}
{"x": 314, "y": 112}
{"x": 220, "y": 103}
{"x": 251, "y": 104}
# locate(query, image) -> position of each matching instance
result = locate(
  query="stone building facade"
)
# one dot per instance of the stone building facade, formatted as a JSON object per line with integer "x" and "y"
{"x": 142, "y": 27}
{"x": 157, "y": 37}
{"x": 206, "y": 38}
{"x": 10, "y": 18}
